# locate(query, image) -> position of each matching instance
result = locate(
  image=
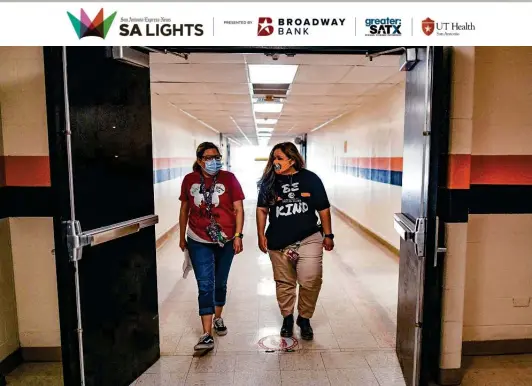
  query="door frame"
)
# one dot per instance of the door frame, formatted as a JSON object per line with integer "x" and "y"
{"x": 56, "y": 110}
{"x": 437, "y": 187}
{"x": 437, "y": 173}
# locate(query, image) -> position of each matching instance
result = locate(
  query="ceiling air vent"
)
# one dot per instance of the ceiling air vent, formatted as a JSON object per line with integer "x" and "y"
{"x": 276, "y": 90}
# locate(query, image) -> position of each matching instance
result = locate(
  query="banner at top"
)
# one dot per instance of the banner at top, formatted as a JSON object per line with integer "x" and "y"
{"x": 265, "y": 24}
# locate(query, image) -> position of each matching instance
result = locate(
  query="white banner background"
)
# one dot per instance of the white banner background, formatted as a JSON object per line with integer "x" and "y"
{"x": 47, "y": 24}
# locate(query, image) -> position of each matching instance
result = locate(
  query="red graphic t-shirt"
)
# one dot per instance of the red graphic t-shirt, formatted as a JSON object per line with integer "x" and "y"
{"x": 226, "y": 192}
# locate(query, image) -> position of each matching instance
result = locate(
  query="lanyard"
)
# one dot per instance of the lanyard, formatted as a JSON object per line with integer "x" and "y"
{"x": 207, "y": 196}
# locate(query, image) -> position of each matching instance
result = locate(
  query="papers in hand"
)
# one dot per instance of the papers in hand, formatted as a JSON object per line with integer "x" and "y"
{"x": 187, "y": 264}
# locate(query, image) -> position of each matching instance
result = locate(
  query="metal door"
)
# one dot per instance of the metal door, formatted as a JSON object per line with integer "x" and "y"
{"x": 424, "y": 173}
{"x": 99, "y": 122}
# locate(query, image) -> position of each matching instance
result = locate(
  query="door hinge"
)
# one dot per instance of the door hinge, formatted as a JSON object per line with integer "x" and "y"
{"x": 420, "y": 236}
{"x": 75, "y": 240}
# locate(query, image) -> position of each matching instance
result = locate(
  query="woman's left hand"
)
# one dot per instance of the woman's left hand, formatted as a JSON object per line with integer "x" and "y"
{"x": 328, "y": 244}
{"x": 237, "y": 245}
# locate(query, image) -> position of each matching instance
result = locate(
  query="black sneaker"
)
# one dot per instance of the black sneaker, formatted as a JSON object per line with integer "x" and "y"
{"x": 306, "y": 330}
{"x": 287, "y": 331}
{"x": 206, "y": 342}
{"x": 219, "y": 327}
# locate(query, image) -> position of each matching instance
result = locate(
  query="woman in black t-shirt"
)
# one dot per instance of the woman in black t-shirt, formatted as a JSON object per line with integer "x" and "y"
{"x": 290, "y": 196}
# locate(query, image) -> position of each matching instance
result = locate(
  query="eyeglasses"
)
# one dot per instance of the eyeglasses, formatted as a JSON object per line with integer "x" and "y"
{"x": 211, "y": 157}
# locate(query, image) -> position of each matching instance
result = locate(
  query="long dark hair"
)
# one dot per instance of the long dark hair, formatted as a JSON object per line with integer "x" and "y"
{"x": 267, "y": 181}
{"x": 202, "y": 148}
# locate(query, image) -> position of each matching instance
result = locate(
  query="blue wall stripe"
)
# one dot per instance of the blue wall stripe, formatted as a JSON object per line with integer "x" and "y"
{"x": 163, "y": 175}
{"x": 384, "y": 176}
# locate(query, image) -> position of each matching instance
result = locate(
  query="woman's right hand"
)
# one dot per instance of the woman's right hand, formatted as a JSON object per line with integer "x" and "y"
{"x": 263, "y": 244}
{"x": 183, "y": 244}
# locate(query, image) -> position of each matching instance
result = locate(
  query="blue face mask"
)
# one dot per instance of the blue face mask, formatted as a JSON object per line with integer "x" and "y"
{"x": 213, "y": 166}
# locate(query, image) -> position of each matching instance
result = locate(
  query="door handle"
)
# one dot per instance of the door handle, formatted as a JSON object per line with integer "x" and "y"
{"x": 76, "y": 239}
{"x": 404, "y": 226}
{"x": 409, "y": 230}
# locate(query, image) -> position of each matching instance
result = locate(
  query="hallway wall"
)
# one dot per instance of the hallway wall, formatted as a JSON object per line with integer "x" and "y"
{"x": 499, "y": 238}
{"x": 359, "y": 157}
{"x": 25, "y": 239}
{"x": 9, "y": 341}
{"x": 175, "y": 138}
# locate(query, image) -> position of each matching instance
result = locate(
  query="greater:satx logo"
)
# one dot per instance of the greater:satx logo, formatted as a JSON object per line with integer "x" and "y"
{"x": 383, "y": 27}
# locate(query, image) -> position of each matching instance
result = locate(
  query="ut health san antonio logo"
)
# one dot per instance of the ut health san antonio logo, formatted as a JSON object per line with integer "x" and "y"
{"x": 427, "y": 26}
{"x": 98, "y": 27}
{"x": 265, "y": 26}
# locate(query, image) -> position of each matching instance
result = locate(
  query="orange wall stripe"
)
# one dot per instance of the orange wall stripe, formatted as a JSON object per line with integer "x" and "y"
{"x": 501, "y": 170}
{"x": 464, "y": 169}
{"x": 172, "y": 162}
{"x": 394, "y": 164}
{"x": 459, "y": 171}
{"x": 2, "y": 171}
{"x": 26, "y": 171}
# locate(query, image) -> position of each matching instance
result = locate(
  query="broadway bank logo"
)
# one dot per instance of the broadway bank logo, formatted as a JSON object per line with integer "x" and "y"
{"x": 267, "y": 26}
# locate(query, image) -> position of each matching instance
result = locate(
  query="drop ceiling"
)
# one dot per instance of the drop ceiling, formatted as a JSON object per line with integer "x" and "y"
{"x": 216, "y": 89}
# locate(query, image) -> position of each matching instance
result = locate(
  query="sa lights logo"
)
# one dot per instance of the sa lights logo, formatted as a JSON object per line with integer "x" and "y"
{"x": 98, "y": 27}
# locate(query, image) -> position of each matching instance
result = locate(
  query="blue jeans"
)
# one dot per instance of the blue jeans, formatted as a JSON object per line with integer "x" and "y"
{"x": 211, "y": 264}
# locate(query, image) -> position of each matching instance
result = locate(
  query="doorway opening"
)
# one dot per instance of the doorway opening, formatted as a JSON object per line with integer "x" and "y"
{"x": 348, "y": 111}
{"x": 104, "y": 178}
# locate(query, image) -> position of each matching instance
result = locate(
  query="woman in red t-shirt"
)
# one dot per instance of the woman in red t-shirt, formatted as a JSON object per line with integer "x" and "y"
{"x": 212, "y": 207}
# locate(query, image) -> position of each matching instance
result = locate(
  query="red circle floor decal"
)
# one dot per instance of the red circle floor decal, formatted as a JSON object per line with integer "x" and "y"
{"x": 277, "y": 343}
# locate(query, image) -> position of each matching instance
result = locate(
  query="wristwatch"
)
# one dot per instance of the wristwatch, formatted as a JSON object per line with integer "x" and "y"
{"x": 330, "y": 236}
{"x": 239, "y": 235}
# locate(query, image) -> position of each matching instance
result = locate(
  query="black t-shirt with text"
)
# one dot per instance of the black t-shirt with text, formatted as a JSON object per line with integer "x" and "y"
{"x": 293, "y": 217}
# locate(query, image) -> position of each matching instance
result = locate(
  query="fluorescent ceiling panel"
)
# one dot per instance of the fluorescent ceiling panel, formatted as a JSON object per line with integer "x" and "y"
{"x": 272, "y": 73}
{"x": 267, "y": 107}
{"x": 263, "y": 141}
{"x": 264, "y": 129}
{"x": 261, "y": 121}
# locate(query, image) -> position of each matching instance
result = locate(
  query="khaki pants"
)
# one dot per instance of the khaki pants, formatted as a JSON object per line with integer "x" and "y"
{"x": 308, "y": 273}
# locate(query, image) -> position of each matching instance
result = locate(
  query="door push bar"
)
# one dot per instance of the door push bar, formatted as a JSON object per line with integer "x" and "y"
{"x": 411, "y": 231}
{"x": 76, "y": 239}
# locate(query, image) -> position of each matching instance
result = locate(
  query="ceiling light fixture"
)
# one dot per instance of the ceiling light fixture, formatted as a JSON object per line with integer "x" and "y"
{"x": 264, "y": 129}
{"x": 266, "y": 121}
{"x": 197, "y": 119}
{"x": 234, "y": 140}
{"x": 329, "y": 121}
{"x": 292, "y": 128}
{"x": 272, "y": 73}
{"x": 238, "y": 127}
{"x": 250, "y": 90}
{"x": 267, "y": 107}
{"x": 263, "y": 141}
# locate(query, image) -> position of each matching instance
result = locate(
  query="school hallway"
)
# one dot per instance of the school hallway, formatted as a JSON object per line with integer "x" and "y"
{"x": 424, "y": 148}
{"x": 354, "y": 323}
